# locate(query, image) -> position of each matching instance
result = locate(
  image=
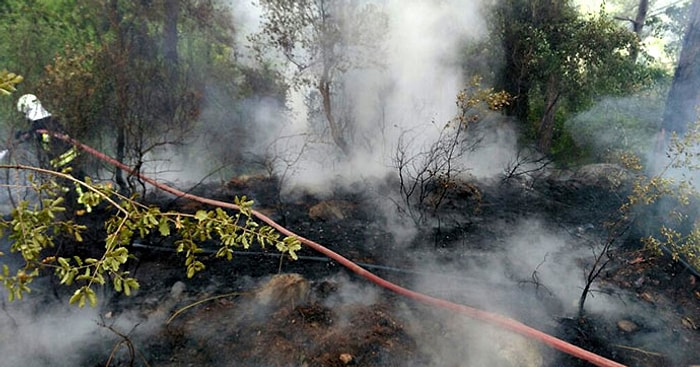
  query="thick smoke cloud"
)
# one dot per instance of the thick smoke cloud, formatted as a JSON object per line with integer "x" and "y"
{"x": 412, "y": 92}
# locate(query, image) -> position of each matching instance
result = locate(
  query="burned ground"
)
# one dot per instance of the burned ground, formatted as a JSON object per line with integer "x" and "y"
{"x": 261, "y": 310}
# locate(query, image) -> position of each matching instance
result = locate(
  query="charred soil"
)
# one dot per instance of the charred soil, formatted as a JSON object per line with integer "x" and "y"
{"x": 263, "y": 310}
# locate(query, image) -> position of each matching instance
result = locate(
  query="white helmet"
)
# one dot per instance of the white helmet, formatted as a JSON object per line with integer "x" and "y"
{"x": 30, "y": 106}
{"x": 27, "y": 102}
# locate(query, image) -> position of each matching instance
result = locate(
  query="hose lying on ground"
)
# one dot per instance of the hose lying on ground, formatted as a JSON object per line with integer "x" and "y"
{"x": 493, "y": 318}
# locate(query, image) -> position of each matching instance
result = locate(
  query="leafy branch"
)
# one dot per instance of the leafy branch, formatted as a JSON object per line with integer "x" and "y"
{"x": 670, "y": 196}
{"x": 34, "y": 229}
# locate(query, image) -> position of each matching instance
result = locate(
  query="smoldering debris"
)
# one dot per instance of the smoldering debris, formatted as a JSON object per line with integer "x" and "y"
{"x": 452, "y": 340}
{"x": 53, "y": 334}
{"x": 283, "y": 289}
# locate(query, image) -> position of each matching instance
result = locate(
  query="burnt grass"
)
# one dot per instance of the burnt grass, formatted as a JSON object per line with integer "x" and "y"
{"x": 302, "y": 326}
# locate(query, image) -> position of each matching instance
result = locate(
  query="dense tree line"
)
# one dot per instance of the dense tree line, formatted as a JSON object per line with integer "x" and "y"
{"x": 128, "y": 76}
{"x": 138, "y": 72}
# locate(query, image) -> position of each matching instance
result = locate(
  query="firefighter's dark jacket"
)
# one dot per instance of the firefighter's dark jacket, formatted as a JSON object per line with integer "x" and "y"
{"x": 59, "y": 152}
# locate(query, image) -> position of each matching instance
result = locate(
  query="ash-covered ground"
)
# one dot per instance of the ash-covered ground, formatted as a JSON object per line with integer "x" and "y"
{"x": 519, "y": 248}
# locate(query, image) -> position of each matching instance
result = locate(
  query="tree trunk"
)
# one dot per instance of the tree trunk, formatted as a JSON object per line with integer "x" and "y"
{"x": 120, "y": 156}
{"x": 546, "y": 129}
{"x": 337, "y": 133}
{"x": 171, "y": 58}
{"x": 516, "y": 81}
{"x": 119, "y": 60}
{"x": 514, "y": 75}
{"x": 684, "y": 95}
{"x": 172, "y": 12}
{"x": 638, "y": 25}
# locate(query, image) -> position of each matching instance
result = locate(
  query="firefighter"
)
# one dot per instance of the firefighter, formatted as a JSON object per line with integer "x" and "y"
{"x": 57, "y": 152}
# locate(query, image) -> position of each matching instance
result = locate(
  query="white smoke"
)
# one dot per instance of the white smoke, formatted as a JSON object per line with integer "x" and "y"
{"x": 413, "y": 92}
{"x": 58, "y": 335}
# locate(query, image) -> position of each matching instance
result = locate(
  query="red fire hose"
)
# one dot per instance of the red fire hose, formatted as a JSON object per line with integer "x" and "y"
{"x": 499, "y": 320}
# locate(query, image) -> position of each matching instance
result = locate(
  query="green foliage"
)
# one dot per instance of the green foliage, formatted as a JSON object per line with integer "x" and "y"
{"x": 556, "y": 59}
{"x": 668, "y": 201}
{"x": 563, "y": 149}
{"x": 33, "y": 229}
{"x": 103, "y": 70}
{"x": 36, "y": 30}
{"x": 8, "y": 81}
{"x": 71, "y": 86}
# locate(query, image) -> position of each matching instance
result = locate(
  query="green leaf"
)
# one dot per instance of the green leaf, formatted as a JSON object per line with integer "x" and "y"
{"x": 293, "y": 248}
{"x": 201, "y": 215}
{"x": 77, "y": 297}
{"x": 133, "y": 283}
{"x": 117, "y": 283}
{"x": 92, "y": 297}
{"x": 121, "y": 254}
{"x": 152, "y": 219}
{"x": 99, "y": 278}
{"x": 164, "y": 227}
{"x": 68, "y": 277}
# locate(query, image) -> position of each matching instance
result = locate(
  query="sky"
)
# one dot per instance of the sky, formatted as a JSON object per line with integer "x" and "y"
{"x": 612, "y": 6}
